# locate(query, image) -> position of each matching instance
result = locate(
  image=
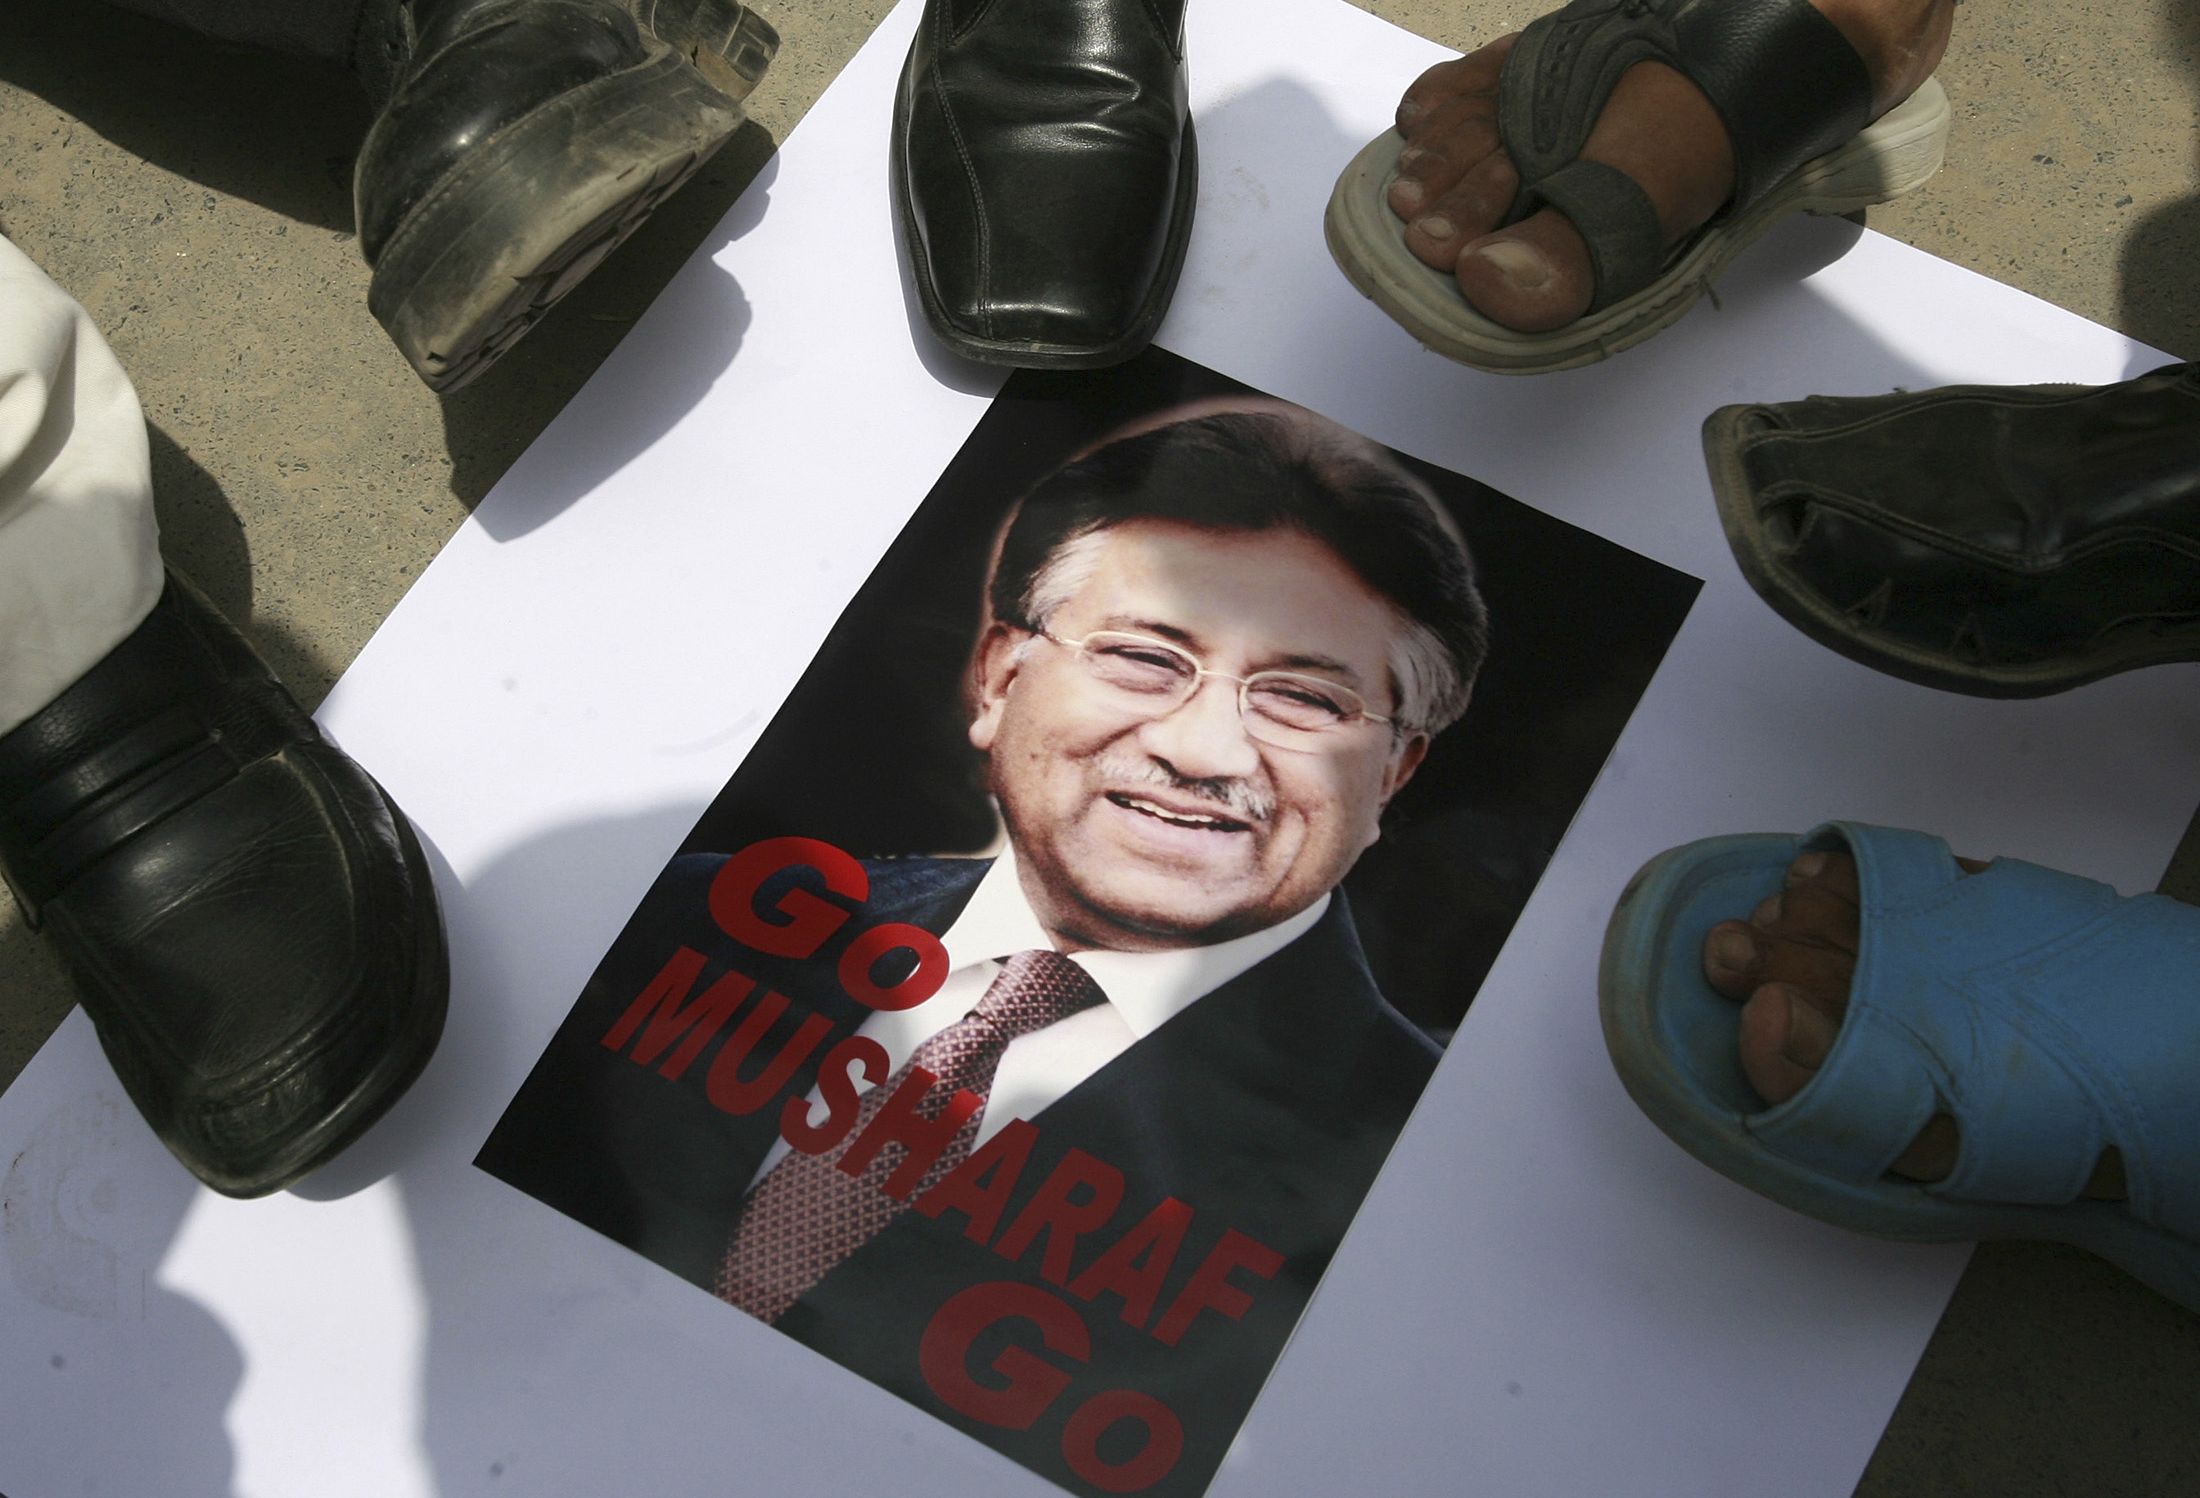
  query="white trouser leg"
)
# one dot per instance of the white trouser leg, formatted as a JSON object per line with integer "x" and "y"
{"x": 79, "y": 555}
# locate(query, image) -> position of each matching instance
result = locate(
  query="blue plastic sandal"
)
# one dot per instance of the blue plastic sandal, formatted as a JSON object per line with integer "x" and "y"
{"x": 2051, "y": 1017}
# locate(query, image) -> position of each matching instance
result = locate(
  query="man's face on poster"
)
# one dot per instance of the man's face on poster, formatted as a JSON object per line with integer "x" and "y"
{"x": 1145, "y": 823}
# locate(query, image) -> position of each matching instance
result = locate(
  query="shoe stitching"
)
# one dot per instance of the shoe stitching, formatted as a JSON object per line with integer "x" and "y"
{"x": 1902, "y": 404}
{"x": 957, "y": 33}
{"x": 1999, "y": 990}
{"x": 1174, "y": 40}
{"x": 977, "y": 196}
{"x": 1960, "y": 1100}
{"x": 2106, "y": 1089}
{"x": 2016, "y": 562}
{"x": 2106, "y": 1084}
{"x": 340, "y": 1017}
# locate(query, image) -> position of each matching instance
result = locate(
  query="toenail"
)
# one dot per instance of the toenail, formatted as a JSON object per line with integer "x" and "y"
{"x": 1524, "y": 267}
{"x": 1808, "y": 866}
{"x": 1436, "y": 227}
{"x": 1809, "y": 1033}
{"x": 1406, "y": 196}
{"x": 1408, "y": 110}
{"x": 1410, "y": 155}
{"x": 1791, "y": 1043}
{"x": 1733, "y": 951}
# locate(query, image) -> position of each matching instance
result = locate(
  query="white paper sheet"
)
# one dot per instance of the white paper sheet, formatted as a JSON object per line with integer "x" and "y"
{"x": 1542, "y": 1296}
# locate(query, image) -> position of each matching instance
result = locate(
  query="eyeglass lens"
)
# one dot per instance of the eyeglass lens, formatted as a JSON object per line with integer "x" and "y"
{"x": 1153, "y": 668}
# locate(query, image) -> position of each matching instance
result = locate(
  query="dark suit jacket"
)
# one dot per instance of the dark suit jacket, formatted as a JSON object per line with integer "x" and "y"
{"x": 1267, "y": 1106}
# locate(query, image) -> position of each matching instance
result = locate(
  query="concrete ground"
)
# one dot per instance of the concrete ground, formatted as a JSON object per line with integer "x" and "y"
{"x": 196, "y": 197}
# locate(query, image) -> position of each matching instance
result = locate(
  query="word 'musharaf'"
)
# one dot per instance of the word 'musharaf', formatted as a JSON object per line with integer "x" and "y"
{"x": 669, "y": 1025}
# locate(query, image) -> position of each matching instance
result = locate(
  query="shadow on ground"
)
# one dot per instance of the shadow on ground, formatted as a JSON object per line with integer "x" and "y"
{"x": 201, "y": 537}
{"x": 2158, "y": 297}
{"x": 276, "y": 130}
{"x": 489, "y": 423}
{"x": 282, "y": 131}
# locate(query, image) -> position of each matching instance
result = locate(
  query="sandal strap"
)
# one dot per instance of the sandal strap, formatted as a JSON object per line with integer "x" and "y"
{"x": 1627, "y": 249}
{"x": 1783, "y": 78}
{"x": 2051, "y": 1017}
{"x": 2134, "y": 1082}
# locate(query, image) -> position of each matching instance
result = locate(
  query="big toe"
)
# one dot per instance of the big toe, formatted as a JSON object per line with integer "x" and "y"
{"x": 1785, "y": 1037}
{"x": 1659, "y": 130}
{"x": 1531, "y": 277}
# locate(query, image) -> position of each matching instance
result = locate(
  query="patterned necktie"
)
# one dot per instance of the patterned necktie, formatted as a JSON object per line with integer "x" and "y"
{"x": 807, "y": 1214}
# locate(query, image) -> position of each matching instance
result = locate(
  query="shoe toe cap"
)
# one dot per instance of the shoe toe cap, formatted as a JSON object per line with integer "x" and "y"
{"x": 1040, "y": 226}
{"x": 266, "y": 970}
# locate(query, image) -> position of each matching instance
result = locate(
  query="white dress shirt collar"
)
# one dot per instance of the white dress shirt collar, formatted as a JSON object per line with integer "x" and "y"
{"x": 1146, "y": 989}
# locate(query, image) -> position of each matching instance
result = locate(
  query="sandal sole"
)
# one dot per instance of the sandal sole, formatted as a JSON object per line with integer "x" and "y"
{"x": 1893, "y": 156}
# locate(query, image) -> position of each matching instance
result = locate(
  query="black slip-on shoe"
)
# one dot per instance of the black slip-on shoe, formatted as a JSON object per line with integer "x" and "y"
{"x": 519, "y": 142}
{"x": 250, "y": 922}
{"x": 1044, "y": 173}
{"x": 2000, "y": 541}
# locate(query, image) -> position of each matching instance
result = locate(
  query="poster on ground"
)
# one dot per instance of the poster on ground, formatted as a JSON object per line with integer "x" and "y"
{"x": 1023, "y": 1024}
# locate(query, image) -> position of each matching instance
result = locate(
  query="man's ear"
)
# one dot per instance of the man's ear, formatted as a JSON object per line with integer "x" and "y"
{"x": 1404, "y": 760}
{"x": 1000, "y": 655}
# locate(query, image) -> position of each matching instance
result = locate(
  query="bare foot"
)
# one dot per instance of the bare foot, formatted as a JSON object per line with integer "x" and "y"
{"x": 1789, "y": 966}
{"x": 1456, "y": 184}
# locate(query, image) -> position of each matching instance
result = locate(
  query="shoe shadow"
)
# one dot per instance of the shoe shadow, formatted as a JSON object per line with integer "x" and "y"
{"x": 274, "y": 129}
{"x": 93, "y": 1211}
{"x": 500, "y": 927}
{"x": 200, "y": 534}
{"x": 490, "y": 423}
{"x": 2157, "y": 299}
{"x": 39, "y": 993}
{"x": 517, "y": 1298}
{"x": 551, "y": 1314}
{"x": 82, "y": 1251}
{"x": 202, "y": 538}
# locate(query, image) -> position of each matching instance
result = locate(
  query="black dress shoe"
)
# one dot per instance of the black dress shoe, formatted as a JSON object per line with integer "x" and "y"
{"x": 1044, "y": 173}
{"x": 519, "y": 142}
{"x": 248, "y": 917}
{"x": 2006, "y": 542}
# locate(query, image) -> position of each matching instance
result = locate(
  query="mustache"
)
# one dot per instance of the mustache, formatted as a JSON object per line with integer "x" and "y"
{"x": 1239, "y": 797}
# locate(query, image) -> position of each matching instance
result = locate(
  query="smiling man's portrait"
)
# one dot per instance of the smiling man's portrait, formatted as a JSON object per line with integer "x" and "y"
{"x": 1007, "y": 1031}
{"x": 1218, "y": 648}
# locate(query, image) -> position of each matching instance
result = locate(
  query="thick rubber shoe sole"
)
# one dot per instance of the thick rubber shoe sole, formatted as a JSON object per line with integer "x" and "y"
{"x": 1894, "y": 155}
{"x": 533, "y": 210}
{"x": 729, "y": 44}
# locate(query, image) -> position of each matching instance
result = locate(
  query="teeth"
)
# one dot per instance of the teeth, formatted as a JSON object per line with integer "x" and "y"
{"x": 1181, "y": 819}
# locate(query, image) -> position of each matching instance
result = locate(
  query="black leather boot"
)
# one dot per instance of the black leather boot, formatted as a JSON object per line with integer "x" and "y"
{"x": 519, "y": 142}
{"x": 2005, "y": 541}
{"x": 248, "y": 917}
{"x": 1045, "y": 173}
